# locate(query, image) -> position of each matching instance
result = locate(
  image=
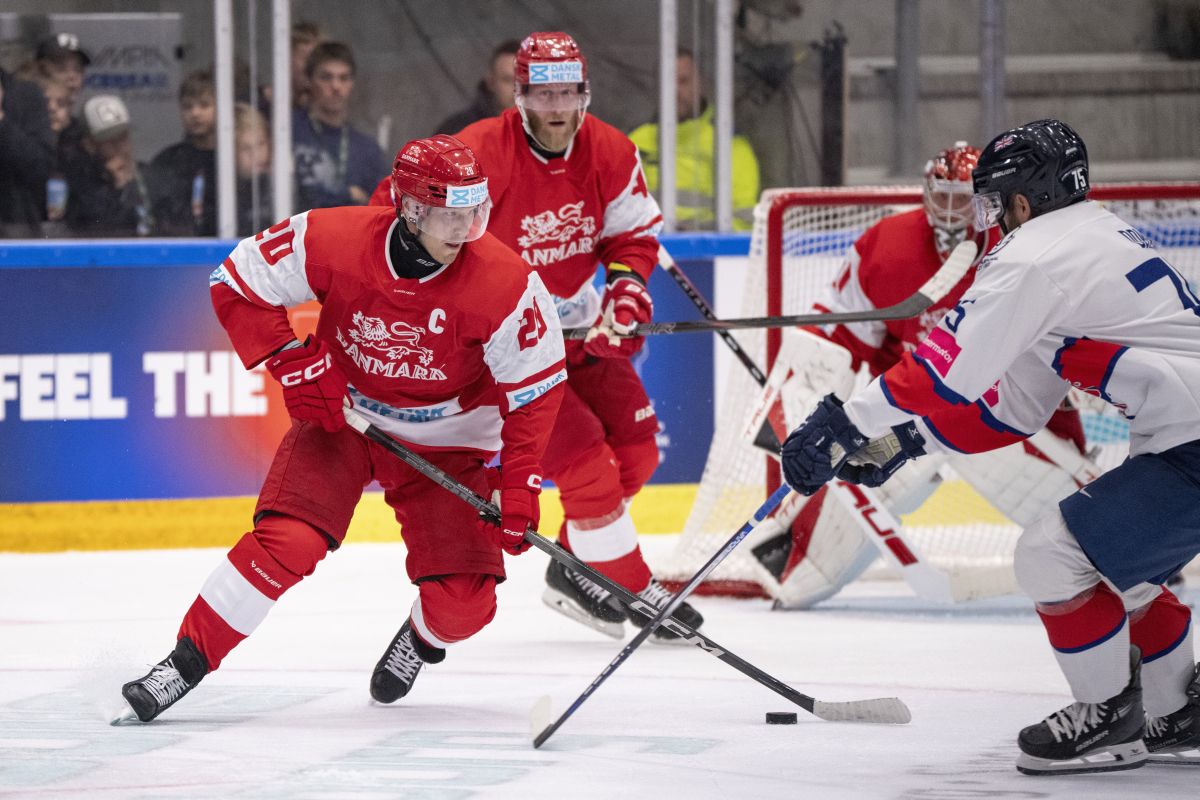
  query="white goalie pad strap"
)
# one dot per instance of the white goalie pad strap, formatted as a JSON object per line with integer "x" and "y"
{"x": 417, "y": 616}
{"x": 235, "y": 599}
{"x": 606, "y": 542}
{"x": 1018, "y": 480}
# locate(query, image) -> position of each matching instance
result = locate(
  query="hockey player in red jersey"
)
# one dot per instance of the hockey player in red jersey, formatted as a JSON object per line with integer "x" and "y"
{"x": 569, "y": 192}
{"x": 439, "y": 335}
{"x": 826, "y": 547}
{"x": 1072, "y": 296}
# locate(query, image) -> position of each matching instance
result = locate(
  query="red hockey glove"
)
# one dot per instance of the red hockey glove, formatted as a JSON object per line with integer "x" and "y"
{"x": 519, "y": 510}
{"x": 314, "y": 387}
{"x": 626, "y": 304}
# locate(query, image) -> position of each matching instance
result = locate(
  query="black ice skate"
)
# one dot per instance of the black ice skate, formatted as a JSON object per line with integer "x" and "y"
{"x": 573, "y": 595}
{"x": 1089, "y": 737}
{"x": 396, "y": 672}
{"x": 657, "y": 595}
{"x": 1175, "y": 738}
{"x": 165, "y": 684}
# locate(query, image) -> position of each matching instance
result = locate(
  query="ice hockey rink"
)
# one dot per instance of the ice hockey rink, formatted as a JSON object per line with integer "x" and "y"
{"x": 288, "y": 714}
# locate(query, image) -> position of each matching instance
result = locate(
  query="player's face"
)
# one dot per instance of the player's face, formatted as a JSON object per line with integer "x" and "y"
{"x": 554, "y": 111}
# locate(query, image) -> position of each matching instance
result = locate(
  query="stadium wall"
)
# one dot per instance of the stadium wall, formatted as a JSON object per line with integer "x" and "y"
{"x": 126, "y": 420}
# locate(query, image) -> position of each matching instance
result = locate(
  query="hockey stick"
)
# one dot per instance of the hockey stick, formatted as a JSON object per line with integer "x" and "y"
{"x": 883, "y": 710}
{"x": 759, "y": 515}
{"x": 933, "y": 290}
{"x": 765, "y": 438}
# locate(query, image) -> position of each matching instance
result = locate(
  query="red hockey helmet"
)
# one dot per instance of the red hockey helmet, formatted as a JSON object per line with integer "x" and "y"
{"x": 948, "y": 191}
{"x": 551, "y": 74}
{"x": 438, "y": 186}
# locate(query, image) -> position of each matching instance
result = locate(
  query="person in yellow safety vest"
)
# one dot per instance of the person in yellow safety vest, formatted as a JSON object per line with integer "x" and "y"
{"x": 694, "y": 183}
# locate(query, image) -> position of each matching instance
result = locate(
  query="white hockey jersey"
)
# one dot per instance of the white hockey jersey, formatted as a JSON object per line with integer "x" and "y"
{"x": 1076, "y": 297}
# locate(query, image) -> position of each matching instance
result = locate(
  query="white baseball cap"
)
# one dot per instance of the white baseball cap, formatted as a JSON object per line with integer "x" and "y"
{"x": 106, "y": 117}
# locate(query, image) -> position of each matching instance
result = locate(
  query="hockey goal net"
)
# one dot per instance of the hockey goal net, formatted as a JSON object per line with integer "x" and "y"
{"x": 797, "y": 246}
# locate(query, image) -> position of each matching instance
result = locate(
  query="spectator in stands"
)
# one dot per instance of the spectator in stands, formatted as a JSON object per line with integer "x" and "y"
{"x": 60, "y": 57}
{"x": 694, "y": 141}
{"x": 493, "y": 94}
{"x": 58, "y": 107}
{"x": 305, "y": 36}
{"x": 253, "y": 157}
{"x": 107, "y": 193}
{"x": 26, "y": 156}
{"x": 335, "y": 164}
{"x": 184, "y": 174}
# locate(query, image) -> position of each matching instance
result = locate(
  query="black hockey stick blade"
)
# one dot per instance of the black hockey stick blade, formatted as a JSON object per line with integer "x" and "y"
{"x": 880, "y": 710}
{"x": 933, "y": 290}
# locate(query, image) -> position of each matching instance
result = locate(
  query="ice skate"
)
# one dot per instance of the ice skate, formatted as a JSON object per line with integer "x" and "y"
{"x": 573, "y": 595}
{"x": 397, "y": 671}
{"x": 1089, "y": 737}
{"x": 1175, "y": 737}
{"x": 164, "y": 685}
{"x": 657, "y": 595}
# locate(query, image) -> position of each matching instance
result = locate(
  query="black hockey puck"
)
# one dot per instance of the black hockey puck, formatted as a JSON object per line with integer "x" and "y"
{"x": 781, "y": 717}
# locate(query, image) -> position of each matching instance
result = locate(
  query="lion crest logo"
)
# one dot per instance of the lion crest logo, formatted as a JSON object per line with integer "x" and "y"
{"x": 397, "y": 341}
{"x": 558, "y": 227}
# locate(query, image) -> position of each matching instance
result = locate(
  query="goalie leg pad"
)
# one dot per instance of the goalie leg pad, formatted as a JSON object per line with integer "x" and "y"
{"x": 1020, "y": 481}
{"x": 811, "y": 549}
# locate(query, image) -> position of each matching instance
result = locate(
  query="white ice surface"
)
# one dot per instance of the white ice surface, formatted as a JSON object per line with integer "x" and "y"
{"x": 288, "y": 714}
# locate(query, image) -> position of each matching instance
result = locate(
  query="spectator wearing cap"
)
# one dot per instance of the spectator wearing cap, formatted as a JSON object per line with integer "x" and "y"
{"x": 106, "y": 190}
{"x": 335, "y": 165}
{"x": 62, "y": 59}
{"x": 185, "y": 174}
{"x": 26, "y": 156}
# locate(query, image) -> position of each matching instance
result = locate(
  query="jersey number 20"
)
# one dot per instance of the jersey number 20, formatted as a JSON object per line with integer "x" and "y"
{"x": 533, "y": 327}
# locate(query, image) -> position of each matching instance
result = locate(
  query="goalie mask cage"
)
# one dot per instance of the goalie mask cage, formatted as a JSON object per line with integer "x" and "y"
{"x": 797, "y": 246}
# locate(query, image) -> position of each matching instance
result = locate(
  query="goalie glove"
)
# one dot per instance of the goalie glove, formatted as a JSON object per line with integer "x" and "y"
{"x": 878, "y": 459}
{"x": 625, "y": 305}
{"x": 815, "y": 451}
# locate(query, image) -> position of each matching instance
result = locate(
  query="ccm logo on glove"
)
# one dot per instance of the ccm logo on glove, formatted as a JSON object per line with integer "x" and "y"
{"x": 309, "y": 373}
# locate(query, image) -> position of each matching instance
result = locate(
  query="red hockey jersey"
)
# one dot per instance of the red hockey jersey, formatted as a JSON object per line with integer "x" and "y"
{"x": 564, "y": 215}
{"x": 887, "y": 264}
{"x": 463, "y": 358}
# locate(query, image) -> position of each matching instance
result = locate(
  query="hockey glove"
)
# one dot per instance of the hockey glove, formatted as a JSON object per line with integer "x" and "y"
{"x": 314, "y": 387}
{"x": 813, "y": 453}
{"x": 879, "y": 459}
{"x": 519, "y": 510}
{"x": 625, "y": 305}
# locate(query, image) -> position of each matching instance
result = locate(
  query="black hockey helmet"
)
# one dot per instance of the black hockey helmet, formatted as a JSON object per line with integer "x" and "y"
{"x": 1044, "y": 160}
